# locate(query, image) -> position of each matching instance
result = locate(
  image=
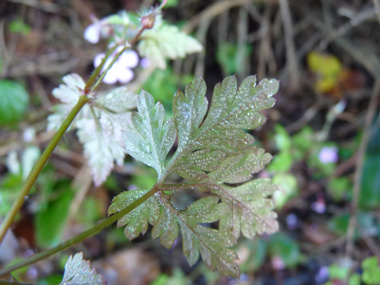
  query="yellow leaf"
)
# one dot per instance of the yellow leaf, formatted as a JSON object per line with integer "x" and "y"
{"x": 325, "y": 84}
{"x": 324, "y": 64}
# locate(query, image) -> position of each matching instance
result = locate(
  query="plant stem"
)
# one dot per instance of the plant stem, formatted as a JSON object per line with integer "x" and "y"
{"x": 39, "y": 166}
{"x": 93, "y": 78}
{"x": 100, "y": 79}
{"x": 90, "y": 232}
{"x": 83, "y": 99}
{"x": 98, "y": 70}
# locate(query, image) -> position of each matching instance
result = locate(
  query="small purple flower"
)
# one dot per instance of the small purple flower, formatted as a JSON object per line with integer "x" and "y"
{"x": 278, "y": 263}
{"x": 328, "y": 154}
{"x": 121, "y": 70}
{"x": 319, "y": 206}
{"x": 292, "y": 221}
{"x": 322, "y": 275}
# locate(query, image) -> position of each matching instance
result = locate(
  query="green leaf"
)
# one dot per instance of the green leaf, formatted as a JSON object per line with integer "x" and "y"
{"x": 215, "y": 150}
{"x": 339, "y": 188}
{"x": 282, "y": 162}
{"x": 50, "y": 221}
{"x": 136, "y": 221}
{"x": 285, "y": 247}
{"x": 163, "y": 84}
{"x": 370, "y": 182}
{"x": 366, "y": 224}
{"x": 149, "y": 139}
{"x": 250, "y": 208}
{"x": 79, "y": 271}
{"x": 303, "y": 141}
{"x": 288, "y": 185}
{"x": 13, "y": 101}
{"x": 210, "y": 243}
{"x": 166, "y": 41}
{"x": 170, "y": 3}
{"x": 229, "y": 57}
{"x": 338, "y": 272}
{"x": 217, "y": 157}
{"x": 19, "y": 26}
{"x": 9, "y": 186}
{"x": 354, "y": 279}
{"x": 204, "y": 142}
{"x": 371, "y": 270}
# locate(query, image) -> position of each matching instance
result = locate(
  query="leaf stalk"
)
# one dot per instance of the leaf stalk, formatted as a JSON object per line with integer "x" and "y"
{"x": 39, "y": 166}
{"x": 86, "y": 234}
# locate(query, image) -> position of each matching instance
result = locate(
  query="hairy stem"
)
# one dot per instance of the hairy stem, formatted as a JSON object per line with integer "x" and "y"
{"x": 90, "y": 232}
{"x": 98, "y": 69}
{"x": 39, "y": 166}
{"x": 100, "y": 79}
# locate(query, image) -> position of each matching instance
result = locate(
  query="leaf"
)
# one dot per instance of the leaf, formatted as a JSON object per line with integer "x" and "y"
{"x": 324, "y": 64}
{"x": 149, "y": 139}
{"x": 216, "y": 156}
{"x": 327, "y": 67}
{"x": 166, "y": 41}
{"x": 50, "y": 222}
{"x": 102, "y": 142}
{"x": 203, "y": 142}
{"x": 78, "y": 271}
{"x": 136, "y": 222}
{"x": 218, "y": 151}
{"x": 13, "y": 101}
{"x": 230, "y": 56}
{"x": 170, "y": 3}
{"x": 370, "y": 182}
{"x": 288, "y": 188}
{"x": 99, "y": 127}
{"x": 210, "y": 243}
{"x": 285, "y": 247}
{"x": 371, "y": 274}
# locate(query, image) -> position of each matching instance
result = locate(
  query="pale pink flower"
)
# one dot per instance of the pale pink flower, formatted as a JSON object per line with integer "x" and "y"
{"x": 121, "y": 70}
{"x": 98, "y": 29}
{"x": 319, "y": 206}
{"x": 277, "y": 263}
{"x": 92, "y": 33}
{"x": 328, "y": 154}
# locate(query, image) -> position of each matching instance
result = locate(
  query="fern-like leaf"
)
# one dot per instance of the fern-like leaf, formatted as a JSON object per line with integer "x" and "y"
{"x": 79, "y": 271}
{"x": 203, "y": 145}
{"x": 210, "y": 243}
{"x": 149, "y": 139}
{"x": 136, "y": 222}
{"x": 166, "y": 41}
{"x": 99, "y": 126}
{"x": 216, "y": 156}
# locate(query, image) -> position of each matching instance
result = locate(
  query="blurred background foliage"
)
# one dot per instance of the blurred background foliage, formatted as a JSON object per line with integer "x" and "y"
{"x": 324, "y": 134}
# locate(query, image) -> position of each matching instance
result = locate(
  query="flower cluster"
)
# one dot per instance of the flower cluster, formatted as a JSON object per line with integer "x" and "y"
{"x": 121, "y": 70}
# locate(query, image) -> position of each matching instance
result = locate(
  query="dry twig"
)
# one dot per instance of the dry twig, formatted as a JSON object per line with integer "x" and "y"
{"x": 291, "y": 58}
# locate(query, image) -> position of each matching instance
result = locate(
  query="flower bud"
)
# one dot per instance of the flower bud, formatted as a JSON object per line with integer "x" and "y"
{"x": 147, "y": 21}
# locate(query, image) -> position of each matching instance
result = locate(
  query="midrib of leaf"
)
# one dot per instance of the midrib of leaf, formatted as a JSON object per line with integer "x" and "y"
{"x": 210, "y": 187}
{"x": 179, "y": 153}
{"x": 241, "y": 204}
{"x": 151, "y": 138}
